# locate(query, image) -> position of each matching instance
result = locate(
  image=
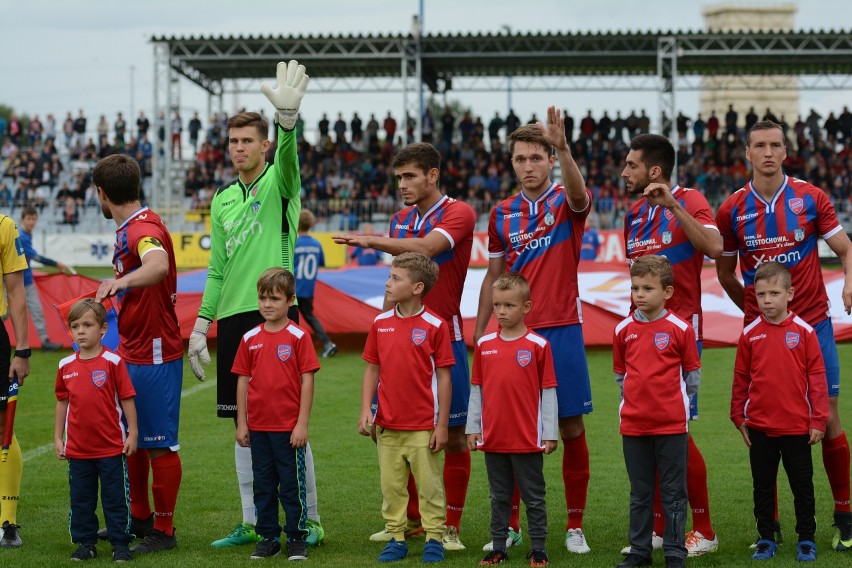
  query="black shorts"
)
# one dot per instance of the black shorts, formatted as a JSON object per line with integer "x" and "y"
{"x": 230, "y": 332}
{"x": 5, "y": 361}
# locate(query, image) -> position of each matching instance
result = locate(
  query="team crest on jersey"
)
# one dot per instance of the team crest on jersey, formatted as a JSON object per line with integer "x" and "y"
{"x": 667, "y": 237}
{"x": 792, "y": 338}
{"x": 284, "y": 352}
{"x": 799, "y": 235}
{"x": 549, "y": 219}
{"x": 661, "y": 340}
{"x": 524, "y": 357}
{"x": 668, "y": 214}
{"x": 255, "y": 207}
{"x": 418, "y": 336}
{"x": 797, "y": 205}
{"x": 254, "y": 191}
{"x": 99, "y": 377}
{"x": 551, "y": 201}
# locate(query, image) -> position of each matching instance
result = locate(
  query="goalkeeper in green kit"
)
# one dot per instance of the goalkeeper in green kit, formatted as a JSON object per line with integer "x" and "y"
{"x": 254, "y": 221}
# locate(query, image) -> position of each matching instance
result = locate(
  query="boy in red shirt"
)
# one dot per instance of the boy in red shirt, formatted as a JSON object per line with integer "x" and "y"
{"x": 779, "y": 402}
{"x": 93, "y": 395}
{"x": 656, "y": 364}
{"x": 408, "y": 355}
{"x": 513, "y": 416}
{"x": 276, "y": 363}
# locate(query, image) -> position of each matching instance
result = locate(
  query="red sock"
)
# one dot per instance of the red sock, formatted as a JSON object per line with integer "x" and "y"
{"x": 575, "y": 475}
{"x": 696, "y": 488}
{"x": 835, "y": 457}
{"x": 659, "y": 518}
{"x": 456, "y": 477}
{"x": 515, "y": 515}
{"x": 167, "y": 472}
{"x": 137, "y": 477}
{"x": 413, "y": 510}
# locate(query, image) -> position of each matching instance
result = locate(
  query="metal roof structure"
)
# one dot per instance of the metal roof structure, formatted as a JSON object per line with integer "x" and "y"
{"x": 663, "y": 61}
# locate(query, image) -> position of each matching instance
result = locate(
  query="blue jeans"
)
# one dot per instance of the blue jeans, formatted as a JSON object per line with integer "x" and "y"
{"x": 83, "y": 476}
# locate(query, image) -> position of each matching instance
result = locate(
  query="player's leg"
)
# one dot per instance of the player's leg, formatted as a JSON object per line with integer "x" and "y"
{"x": 426, "y": 467}
{"x": 290, "y": 465}
{"x": 574, "y": 397}
{"x": 12, "y": 469}
{"x": 230, "y": 332}
{"x": 37, "y": 317}
{"x": 115, "y": 500}
{"x": 670, "y": 456}
{"x": 529, "y": 479}
{"x": 642, "y": 472}
{"x": 394, "y": 451}
{"x": 456, "y": 452}
{"x": 306, "y": 307}
{"x": 265, "y": 494}
{"x": 83, "y": 483}
{"x": 798, "y": 464}
{"x": 501, "y": 484}
{"x": 764, "y": 457}
{"x": 515, "y": 537}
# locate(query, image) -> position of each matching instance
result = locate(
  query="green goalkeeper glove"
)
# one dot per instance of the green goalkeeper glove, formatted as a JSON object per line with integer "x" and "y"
{"x": 198, "y": 354}
{"x": 287, "y": 96}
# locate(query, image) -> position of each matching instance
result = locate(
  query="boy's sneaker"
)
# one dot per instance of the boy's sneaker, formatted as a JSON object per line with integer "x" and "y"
{"x": 50, "y": 346}
{"x": 451, "y": 539}
{"x": 84, "y": 552}
{"x": 414, "y": 528}
{"x": 495, "y": 557}
{"x": 330, "y": 350}
{"x": 433, "y": 551}
{"x": 575, "y": 541}
{"x": 297, "y": 550}
{"x": 316, "y": 534}
{"x": 697, "y": 544}
{"x": 633, "y": 560}
{"x": 121, "y": 554}
{"x": 806, "y": 551}
{"x": 779, "y": 538}
{"x": 266, "y": 548}
{"x": 764, "y": 550}
{"x": 538, "y": 558}
{"x": 842, "y": 539}
{"x": 156, "y": 541}
{"x": 675, "y": 562}
{"x": 656, "y": 544}
{"x": 513, "y": 539}
{"x": 393, "y": 551}
{"x": 11, "y": 536}
{"x": 242, "y": 534}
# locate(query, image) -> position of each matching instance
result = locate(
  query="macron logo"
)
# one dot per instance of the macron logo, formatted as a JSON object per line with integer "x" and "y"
{"x": 512, "y": 215}
{"x": 631, "y": 336}
{"x": 71, "y": 376}
{"x": 489, "y": 352}
{"x": 402, "y": 227}
{"x": 384, "y": 329}
{"x": 756, "y": 337}
{"x": 746, "y": 217}
{"x": 256, "y": 346}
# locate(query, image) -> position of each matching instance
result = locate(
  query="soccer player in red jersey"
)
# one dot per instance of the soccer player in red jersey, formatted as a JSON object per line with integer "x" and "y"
{"x": 409, "y": 357}
{"x": 441, "y": 228}
{"x": 775, "y": 217}
{"x": 779, "y": 403}
{"x": 94, "y": 396}
{"x": 276, "y": 363}
{"x": 146, "y": 285}
{"x": 538, "y": 232}
{"x": 675, "y": 222}
{"x": 513, "y": 417}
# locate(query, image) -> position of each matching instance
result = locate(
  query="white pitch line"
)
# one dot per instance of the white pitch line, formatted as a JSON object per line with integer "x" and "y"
{"x": 41, "y": 450}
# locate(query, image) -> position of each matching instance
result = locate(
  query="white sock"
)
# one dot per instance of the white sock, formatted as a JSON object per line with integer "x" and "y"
{"x": 311, "y": 485}
{"x": 245, "y": 477}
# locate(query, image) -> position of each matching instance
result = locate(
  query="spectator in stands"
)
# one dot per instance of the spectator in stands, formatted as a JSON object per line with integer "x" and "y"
{"x": 356, "y": 126}
{"x": 142, "y": 125}
{"x": 177, "y": 131}
{"x": 494, "y": 128}
{"x": 512, "y": 122}
{"x": 34, "y": 130}
{"x": 731, "y": 118}
{"x": 644, "y": 122}
{"x": 13, "y": 130}
{"x": 80, "y": 129}
{"x": 390, "y": 128}
{"x": 448, "y": 125}
{"x": 120, "y": 127}
{"x": 68, "y": 129}
{"x": 812, "y": 123}
{"x": 427, "y": 126}
{"x": 194, "y": 128}
{"x": 340, "y": 129}
{"x": 750, "y": 119}
{"x": 70, "y": 215}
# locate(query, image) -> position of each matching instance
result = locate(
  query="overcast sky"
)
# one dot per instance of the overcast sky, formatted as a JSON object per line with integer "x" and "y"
{"x": 60, "y": 56}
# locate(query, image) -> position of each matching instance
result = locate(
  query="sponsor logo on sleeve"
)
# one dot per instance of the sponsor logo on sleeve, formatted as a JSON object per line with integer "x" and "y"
{"x": 524, "y": 357}
{"x": 284, "y": 352}
{"x": 99, "y": 377}
{"x": 661, "y": 340}
{"x": 418, "y": 336}
{"x": 792, "y": 338}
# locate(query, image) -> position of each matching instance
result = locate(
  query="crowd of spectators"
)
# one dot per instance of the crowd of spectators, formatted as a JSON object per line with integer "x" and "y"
{"x": 345, "y": 166}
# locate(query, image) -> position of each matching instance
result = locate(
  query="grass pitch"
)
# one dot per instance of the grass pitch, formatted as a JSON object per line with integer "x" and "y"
{"x": 347, "y": 477}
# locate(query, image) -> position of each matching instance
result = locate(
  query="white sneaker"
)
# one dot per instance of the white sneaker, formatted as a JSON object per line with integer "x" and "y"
{"x": 513, "y": 539}
{"x": 656, "y": 544}
{"x": 451, "y": 539}
{"x": 696, "y": 544}
{"x": 575, "y": 541}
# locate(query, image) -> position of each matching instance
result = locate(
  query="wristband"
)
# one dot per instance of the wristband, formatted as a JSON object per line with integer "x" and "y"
{"x": 23, "y": 353}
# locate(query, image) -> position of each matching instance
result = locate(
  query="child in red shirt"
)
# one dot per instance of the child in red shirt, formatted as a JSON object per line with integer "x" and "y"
{"x": 779, "y": 403}
{"x": 94, "y": 396}
{"x": 276, "y": 363}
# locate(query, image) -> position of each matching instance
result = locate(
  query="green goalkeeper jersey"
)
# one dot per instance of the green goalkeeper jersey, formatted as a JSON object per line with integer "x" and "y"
{"x": 253, "y": 228}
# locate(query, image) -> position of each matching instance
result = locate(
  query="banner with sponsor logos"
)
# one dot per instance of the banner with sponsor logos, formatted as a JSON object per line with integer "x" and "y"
{"x": 77, "y": 249}
{"x": 192, "y": 250}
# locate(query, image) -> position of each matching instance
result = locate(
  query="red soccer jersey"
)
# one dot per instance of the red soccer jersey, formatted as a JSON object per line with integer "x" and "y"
{"x": 455, "y": 220}
{"x": 785, "y": 229}
{"x": 147, "y": 322}
{"x": 779, "y": 378}
{"x": 275, "y": 363}
{"x": 652, "y": 356}
{"x": 93, "y": 388}
{"x": 408, "y": 351}
{"x": 512, "y": 374}
{"x": 655, "y": 230}
{"x": 541, "y": 239}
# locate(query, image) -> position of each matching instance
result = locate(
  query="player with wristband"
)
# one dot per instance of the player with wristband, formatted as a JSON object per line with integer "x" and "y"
{"x": 254, "y": 221}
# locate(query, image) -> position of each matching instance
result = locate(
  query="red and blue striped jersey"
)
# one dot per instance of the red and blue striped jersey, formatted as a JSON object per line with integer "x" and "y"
{"x": 455, "y": 220}
{"x": 655, "y": 230}
{"x": 785, "y": 229}
{"x": 541, "y": 239}
{"x": 147, "y": 322}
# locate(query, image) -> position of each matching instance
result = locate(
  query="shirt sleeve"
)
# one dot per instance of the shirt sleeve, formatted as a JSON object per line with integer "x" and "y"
{"x": 476, "y": 373}
{"x": 474, "y": 411}
{"x": 59, "y": 388}
{"x": 11, "y": 251}
{"x": 242, "y": 362}
{"x": 817, "y": 385}
{"x": 826, "y": 219}
{"x": 741, "y": 383}
{"x": 457, "y": 222}
{"x": 371, "y": 347}
{"x": 691, "y": 360}
{"x": 549, "y": 414}
{"x": 216, "y": 266}
{"x": 496, "y": 246}
{"x": 698, "y": 207}
{"x": 286, "y": 166}
{"x": 618, "y": 364}
{"x": 723, "y": 223}
{"x": 546, "y": 370}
